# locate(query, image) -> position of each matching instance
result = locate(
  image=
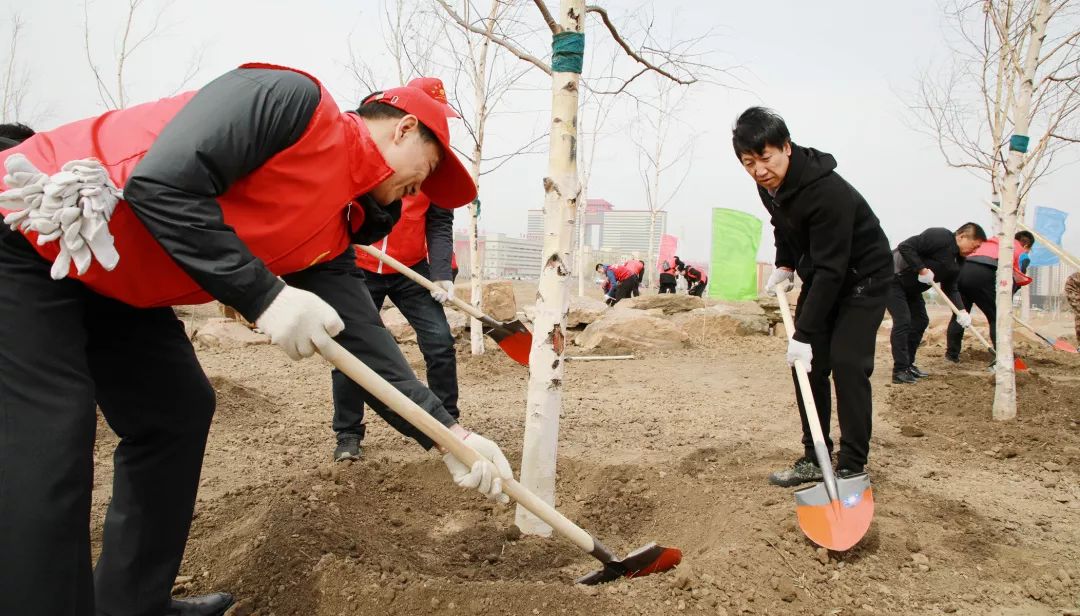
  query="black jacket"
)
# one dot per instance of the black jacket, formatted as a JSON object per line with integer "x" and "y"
{"x": 936, "y": 250}
{"x": 825, "y": 230}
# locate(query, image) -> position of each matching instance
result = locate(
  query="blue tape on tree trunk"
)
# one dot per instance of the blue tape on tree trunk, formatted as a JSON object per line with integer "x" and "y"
{"x": 1019, "y": 143}
{"x": 567, "y": 52}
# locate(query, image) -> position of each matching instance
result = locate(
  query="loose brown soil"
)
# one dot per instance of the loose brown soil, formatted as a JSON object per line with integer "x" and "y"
{"x": 973, "y": 516}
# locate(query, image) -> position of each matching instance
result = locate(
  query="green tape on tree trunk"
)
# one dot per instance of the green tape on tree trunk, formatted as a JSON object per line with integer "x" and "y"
{"x": 567, "y": 52}
{"x": 1019, "y": 143}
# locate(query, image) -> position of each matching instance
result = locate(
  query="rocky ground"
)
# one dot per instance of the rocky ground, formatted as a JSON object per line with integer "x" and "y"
{"x": 972, "y": 516}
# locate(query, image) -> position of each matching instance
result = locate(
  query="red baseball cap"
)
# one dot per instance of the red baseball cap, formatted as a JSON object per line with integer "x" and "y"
{"x": 450, "y": 185}
{"x": 435, "y": 89}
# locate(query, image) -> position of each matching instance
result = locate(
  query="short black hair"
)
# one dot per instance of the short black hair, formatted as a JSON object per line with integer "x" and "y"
{"x": 377, "y": 110}
{"x": 13, "y": 134}
{"x": 598, "y": 266}
{"x": 756, "y": 128}
{"x": 1027, "y": 238}
{"x": 972, "y": 230}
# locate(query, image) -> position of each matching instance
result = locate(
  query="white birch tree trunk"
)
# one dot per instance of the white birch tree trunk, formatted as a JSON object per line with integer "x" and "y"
{"x": 1005, "y": 377}
{"x": 580, "y": 261}
{"x": 479, "y": 68}
{"x": 650, "y": 263}
{"x": 561, "y": 195}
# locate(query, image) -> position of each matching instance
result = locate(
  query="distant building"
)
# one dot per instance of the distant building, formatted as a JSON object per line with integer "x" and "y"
{"x": 1048, "y": 286}
{"x": 501, "y": 256}
{"x": 609, "y": 230}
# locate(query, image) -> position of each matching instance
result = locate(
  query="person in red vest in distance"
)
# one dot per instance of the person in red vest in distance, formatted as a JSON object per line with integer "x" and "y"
{"x": 637, "y": 266}
{"x": 669, "y": 275}
{"x": 696, "y": 279}
{"x": 619, "y": 282}
{"x": 250, "y": 191}
{"x": 422, "y": 239}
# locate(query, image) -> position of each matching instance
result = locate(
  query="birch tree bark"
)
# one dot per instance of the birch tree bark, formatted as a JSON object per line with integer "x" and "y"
{"x": 561, "y": 194}
{"x": 1005, "y": 376}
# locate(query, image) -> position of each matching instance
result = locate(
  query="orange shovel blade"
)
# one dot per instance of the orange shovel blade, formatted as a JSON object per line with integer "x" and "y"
{"x": 836, "y": 524}
{"x": 1019, "y": 364}
{"x": 1061, "y": 345}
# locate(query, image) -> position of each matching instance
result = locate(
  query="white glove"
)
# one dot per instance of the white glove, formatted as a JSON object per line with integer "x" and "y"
{"x": 926, "y": 278}
{"x": 486, "y": 475}
{"x": 964, "y": 319}
{"x": 297, "y": 321}
{"x": 445, "y": 292}
{"x": 782, "y": 277}
{"x": 799, "y": 351}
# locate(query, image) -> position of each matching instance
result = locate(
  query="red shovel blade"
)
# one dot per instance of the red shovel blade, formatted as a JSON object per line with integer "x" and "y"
{"x": 836, "y": 524}
{"x": 514, "y": 339}
{"x": 1019, "y": 364}
{"x": 1061, "y": 345}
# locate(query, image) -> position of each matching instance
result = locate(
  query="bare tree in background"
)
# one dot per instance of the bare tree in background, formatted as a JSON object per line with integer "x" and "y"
{"x": 1005, "y": 110}
{"x": 113, "y": 88}
{"x": 657, "y": 156}
{"x": 562, "y": 190}
{"x": 16, "y": 76}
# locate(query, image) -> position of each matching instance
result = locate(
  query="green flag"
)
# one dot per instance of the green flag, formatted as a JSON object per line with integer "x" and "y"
{"x": 733, "y": 269}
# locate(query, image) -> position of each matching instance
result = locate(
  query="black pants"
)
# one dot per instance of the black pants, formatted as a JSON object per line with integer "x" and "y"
{"x": 697, "y": 289}
{"x": 908, "y": 310}
{"x": 64, "y": 349}
{"x": 667, "y": 283}
{"x": 977, "y": 283}
{"x": 340, "y": 283}
{"x": 433, "y": 335}
{"x": 846, "y": 351}
{"x": 626, "y": 288}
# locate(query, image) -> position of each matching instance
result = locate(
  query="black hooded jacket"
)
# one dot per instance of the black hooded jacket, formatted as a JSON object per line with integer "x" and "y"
{"x": 825, "y": 230}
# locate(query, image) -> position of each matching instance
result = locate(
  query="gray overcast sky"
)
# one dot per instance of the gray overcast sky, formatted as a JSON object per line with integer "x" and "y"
{"x": 836, "y": 70}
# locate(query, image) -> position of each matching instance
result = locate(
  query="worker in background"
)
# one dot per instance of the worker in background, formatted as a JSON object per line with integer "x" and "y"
{"x": 935, "y": 255}
{"x": 696, "y": 280}
{"x": 619, "y": 282}
{"x": 668, "y": 277}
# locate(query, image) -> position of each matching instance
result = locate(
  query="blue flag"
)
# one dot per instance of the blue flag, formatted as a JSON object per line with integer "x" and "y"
{"x": 1049, "y": 223}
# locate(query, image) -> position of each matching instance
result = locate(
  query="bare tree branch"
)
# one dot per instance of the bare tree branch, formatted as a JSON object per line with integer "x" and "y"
{"x": 548, "y": 19}
{"x": 501, "y": 42}
{"x": 592, "y": 8}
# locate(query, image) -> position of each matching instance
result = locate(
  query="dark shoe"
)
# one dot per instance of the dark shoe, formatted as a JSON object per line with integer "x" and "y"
{"x": 903, "y": 377}
{"x": 204, "y": 605}
{"x": 919, "y": 374}
{"x": 845, "y": 473}
{"x": 953, "y": 358}
{"x": 348, "y": 448}
{"x": 803, "y": 471}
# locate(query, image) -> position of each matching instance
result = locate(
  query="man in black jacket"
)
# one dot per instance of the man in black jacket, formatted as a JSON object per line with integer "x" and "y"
{"x": 825, "y": 230}
{"x": 933, "y": 255}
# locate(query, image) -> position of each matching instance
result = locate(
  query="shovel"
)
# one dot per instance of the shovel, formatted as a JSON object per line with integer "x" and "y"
{"x": 1018, "y": 362}
{"x": 512, "y": 337}
{"x": 837, "y": 512}
{"x": 650, "y": 559}
{"x": 1056, "y": 343}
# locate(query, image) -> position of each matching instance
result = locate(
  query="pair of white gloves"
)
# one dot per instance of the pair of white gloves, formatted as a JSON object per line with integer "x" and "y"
{"x": 299, "y": 322}
{"x": 784, "y": 279}
{"x": 963, "y": 317}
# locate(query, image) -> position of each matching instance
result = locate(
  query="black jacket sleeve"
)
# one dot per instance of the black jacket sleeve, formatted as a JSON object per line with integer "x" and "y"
{"x": 785, "y": 256}
{"x": 930, "y": 243}
{"x": 440, "y": 241}
{"x": 830, "y": 219}
{"x": 231, "y": 127}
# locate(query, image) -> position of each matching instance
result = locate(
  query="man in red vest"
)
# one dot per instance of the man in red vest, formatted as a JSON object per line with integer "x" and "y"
{"x": 250, "y": 191}
{"x": 619, "y": 282}
{"x": 977, "y": 282}
{"x": 695, "y": 279}
{"x": 422, "y": 239}
{"x": 668, "y": 273}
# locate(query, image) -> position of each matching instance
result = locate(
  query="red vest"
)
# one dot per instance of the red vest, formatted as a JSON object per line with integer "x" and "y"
{"x": 693, "y": 275}
{"x": 636, "y": 267}
{"x": 988, "y": 253}
{"x": 621, "y": 272}
{"x": 407, "y": 241}
{"x": 290, "y": 212}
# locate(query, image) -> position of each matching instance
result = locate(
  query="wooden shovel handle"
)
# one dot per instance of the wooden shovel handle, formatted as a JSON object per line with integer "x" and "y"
{"x": 401, "y": 404}
{"x": 405, "y": 270}
{"x": 956, "y": 311}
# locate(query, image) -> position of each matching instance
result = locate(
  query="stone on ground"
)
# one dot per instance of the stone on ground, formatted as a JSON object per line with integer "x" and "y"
{"x": 631, "y": 330}
{"x": 670, "y": 303}
{"x": 228, "y": 334}
{"x": 711, "y": 324}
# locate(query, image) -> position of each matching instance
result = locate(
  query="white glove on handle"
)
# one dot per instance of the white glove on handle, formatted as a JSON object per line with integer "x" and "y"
{"x": 926, "y": 276}
{"x": 486, "y": 475}
{"x": 799, "y": 351}
{"x": 296, "y": 320}
{"x": 785, "y": 278}
{"x": 445, "y": 292}
{"x": 964, "y": 319}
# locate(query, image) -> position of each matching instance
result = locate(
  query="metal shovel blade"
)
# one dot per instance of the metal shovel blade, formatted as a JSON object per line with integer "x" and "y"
{"x": 644, "y": 561}
{"x": 1019, "y": 364}
{"x": 1062, "y": 345}
{"x": 836, "y": 524}
{"x": 513, "y": 338}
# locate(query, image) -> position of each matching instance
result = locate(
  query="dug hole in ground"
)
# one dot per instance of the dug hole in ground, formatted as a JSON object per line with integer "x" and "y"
{"x": 973, "y": 516}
